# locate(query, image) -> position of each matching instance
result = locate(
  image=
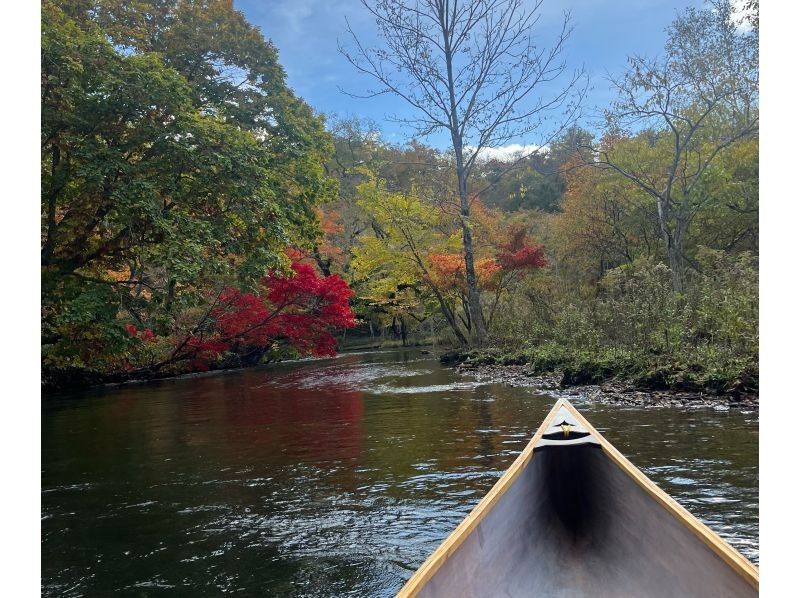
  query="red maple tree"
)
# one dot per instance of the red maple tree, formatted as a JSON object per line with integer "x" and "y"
{"x": 300, "y": 311}
{"x": 518, "y": 254}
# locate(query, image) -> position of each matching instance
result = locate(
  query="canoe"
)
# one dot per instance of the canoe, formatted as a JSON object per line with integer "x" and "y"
{"x": 573, "y": 517}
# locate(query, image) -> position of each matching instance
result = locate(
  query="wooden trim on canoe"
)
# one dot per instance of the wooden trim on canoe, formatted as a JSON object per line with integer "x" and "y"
{"x": 719, "y": 546}
{"x": 435, "y": 561}
{"x": 454, "y": 540}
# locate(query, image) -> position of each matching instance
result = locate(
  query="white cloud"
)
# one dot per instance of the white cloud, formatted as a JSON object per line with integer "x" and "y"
{"x": 740, "y": 16}
{"x": 505, "y": 153}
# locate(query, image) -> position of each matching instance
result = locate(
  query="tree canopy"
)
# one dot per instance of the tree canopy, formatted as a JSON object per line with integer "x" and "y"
{"x": 175, "y": 162}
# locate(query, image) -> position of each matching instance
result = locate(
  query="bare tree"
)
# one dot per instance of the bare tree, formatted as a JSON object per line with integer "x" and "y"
{"x": 470, "y": 68}
{"x": 693, "y": 103}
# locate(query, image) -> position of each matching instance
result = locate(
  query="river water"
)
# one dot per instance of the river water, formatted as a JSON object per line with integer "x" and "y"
{"x": 328, "y": 477}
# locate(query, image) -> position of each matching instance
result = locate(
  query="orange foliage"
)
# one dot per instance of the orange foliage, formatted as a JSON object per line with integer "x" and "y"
{"x": 296, "y": 254}
{"x": 330, "y": 222}
{"x": 447, "y": 270}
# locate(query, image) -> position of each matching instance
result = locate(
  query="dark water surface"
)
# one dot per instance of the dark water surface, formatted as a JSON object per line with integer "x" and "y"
{"x": 325, "y": 478}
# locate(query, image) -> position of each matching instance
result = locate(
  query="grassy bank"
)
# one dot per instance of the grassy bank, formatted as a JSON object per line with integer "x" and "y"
{"x": 633, "y": 328}
{"x": 706, "y": 374}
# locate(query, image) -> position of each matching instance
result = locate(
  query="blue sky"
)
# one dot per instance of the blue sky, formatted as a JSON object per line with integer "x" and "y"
{"x": 306, "y": 32}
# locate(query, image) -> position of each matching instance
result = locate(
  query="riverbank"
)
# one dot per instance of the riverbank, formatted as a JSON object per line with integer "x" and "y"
{"x": 618, "y": 378}
{"x": 55, "y": 381}
{"x": 613, "y": 379}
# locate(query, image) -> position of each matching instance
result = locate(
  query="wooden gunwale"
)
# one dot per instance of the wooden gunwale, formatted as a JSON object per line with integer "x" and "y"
{"x": 435, "y": 561}
{"x": 719, "y": 546}
{"x": 454, "y": 540}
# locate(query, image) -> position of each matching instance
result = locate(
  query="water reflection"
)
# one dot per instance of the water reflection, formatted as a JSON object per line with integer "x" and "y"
{"x": 329, "y": 477}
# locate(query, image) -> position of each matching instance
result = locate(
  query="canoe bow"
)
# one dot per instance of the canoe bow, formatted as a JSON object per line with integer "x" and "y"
{"x": 565, "y": 426}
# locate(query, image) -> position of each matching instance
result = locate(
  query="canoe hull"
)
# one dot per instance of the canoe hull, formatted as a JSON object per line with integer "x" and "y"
{"x": 576, "y": 519}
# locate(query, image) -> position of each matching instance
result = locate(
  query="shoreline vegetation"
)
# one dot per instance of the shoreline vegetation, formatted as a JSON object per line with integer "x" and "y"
{"x": 599, "y": 378}
{"x": 604, "y": 379}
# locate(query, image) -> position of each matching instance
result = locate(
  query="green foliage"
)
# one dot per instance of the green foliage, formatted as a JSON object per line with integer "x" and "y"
{"x": 686, "y": 108}
{"x": 638, "y": 307}
{"x": 636, "y": 328}
{"x": 81, "y": 328}
{"x": 175, "y": 161}
{"x": 535, "y": 184}
{"x": 723, "y": 303}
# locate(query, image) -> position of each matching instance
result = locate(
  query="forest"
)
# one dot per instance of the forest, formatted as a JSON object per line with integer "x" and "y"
{"x": 197, "y": 214}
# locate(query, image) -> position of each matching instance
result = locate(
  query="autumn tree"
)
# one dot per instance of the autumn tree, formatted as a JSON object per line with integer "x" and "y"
{"x": 694, "y": 103}
{"x": 358, "y": 145}
{"x": 498, "y": 273}
{"x": 605, "y": 221}
{"x": 414, "y": 256}
{"x": 471, "y": 69}
{"x": 175, "y": 161}
{"x": 300, "y": 311}
{"x": 393, "y": 264}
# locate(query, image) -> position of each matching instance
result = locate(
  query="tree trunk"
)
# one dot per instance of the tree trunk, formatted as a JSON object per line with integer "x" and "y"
{"x": 170, "y": 295}
{"x": 449, "y": 316}
{"x": 456, "y": 134}
{"x": 676, "y": 264}
{"x": 674, "y": 243}
{"x": 324, "y": 265}
{"x": 473, "y": 293}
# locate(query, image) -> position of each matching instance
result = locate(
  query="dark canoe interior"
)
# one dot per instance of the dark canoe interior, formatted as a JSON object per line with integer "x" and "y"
{"x": 574, "y": 524}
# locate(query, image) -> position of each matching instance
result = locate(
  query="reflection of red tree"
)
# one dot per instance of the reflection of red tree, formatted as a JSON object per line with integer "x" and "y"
{"x": 290, "y": 419}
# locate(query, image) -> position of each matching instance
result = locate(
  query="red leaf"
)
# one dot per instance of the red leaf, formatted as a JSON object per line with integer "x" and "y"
{"x": 300, "y": 311}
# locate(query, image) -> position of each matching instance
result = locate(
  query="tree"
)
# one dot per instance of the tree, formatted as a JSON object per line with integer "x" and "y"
{"x": 605, "y": 221}
{"x": 175, "y": 162}
{"x": 730, "y": 221}
{"x": 471, "y": 69}
{"x": 530, "y": 184}
{"x": 357, "y": 144}
{"x": 407, "y": 230}
{"x": 694, "y": 103}
{"x": 533, "y": 183}
{"x": 413, "y": 259}
{"x": 512, "y": 260}
{"x": 298, "y": 311}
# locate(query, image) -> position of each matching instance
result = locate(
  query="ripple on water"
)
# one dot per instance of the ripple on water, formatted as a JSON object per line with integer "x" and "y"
{"x": 328, "y": 477}
{"x": 389, "y": 389}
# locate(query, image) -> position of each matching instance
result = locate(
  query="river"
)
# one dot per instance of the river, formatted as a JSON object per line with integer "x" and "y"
{"x": 326, "y": 477}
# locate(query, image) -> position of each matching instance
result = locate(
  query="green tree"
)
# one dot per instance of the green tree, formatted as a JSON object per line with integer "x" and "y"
{"x": 536, "y": 182}
{"x": 175, "y": 161}
{"x": 729, "y": 220}
{"x": 693, "y": 104}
